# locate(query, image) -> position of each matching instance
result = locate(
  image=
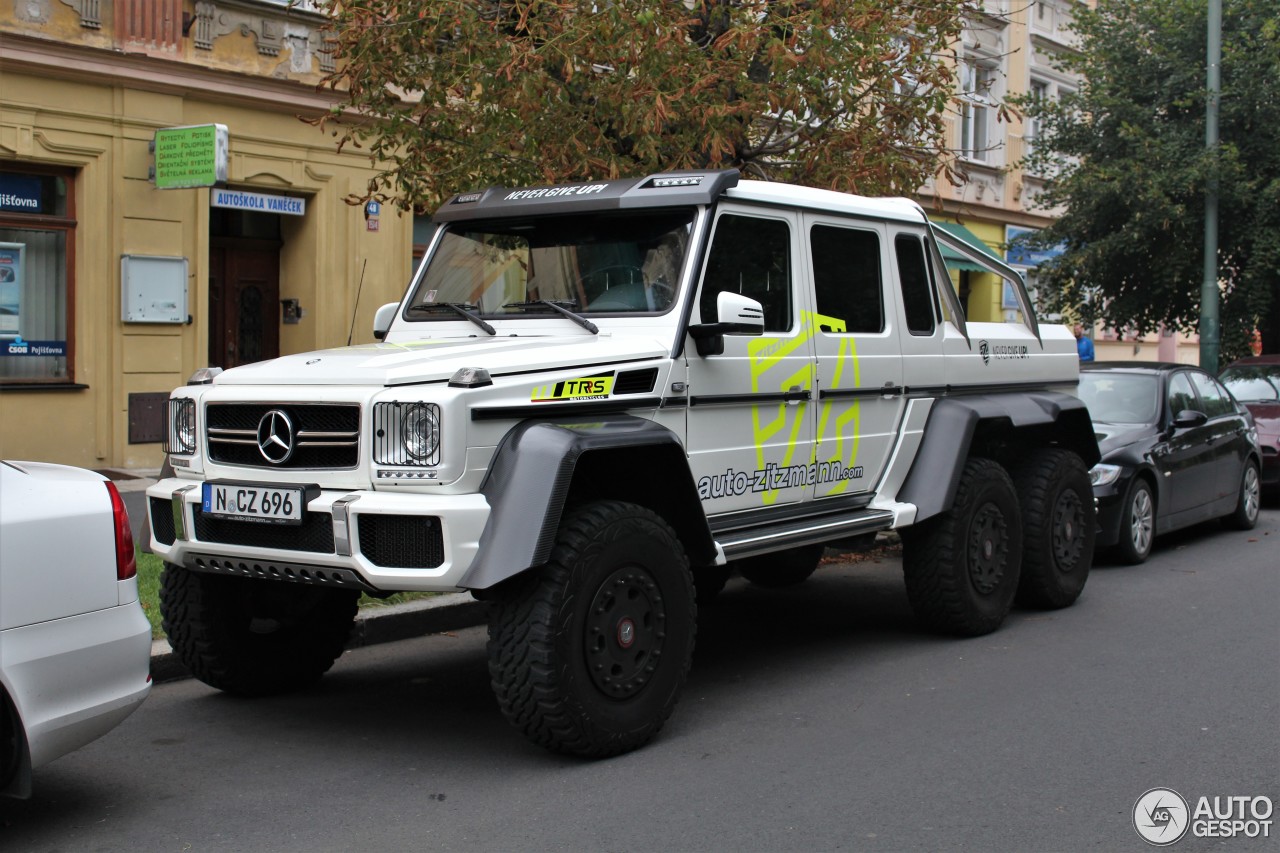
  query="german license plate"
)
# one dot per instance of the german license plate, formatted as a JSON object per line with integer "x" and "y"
{"x": 249, "y": 502}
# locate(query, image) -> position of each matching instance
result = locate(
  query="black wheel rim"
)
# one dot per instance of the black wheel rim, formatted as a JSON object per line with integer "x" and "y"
{"x": 1068, "y": 531}
{"x": 625, "y": 630}
{"x": 988, "y": 549}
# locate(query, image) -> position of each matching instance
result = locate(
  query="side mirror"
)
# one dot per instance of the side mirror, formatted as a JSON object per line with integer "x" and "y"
{"x": 738, "y": 315}
{"x": 383, "y": 318}
{"x": 1188, "y": 418}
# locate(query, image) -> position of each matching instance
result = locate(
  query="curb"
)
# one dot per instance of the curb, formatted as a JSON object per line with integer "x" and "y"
{"x": 450, "y": 612}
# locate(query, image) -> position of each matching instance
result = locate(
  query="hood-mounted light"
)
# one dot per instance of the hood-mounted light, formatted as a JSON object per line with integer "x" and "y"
{"x": 204, "y": 376}
{"x": 470, "y": 377}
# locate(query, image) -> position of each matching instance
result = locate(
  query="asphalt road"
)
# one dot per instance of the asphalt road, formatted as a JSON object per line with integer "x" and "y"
{"x": 818, "y": 718}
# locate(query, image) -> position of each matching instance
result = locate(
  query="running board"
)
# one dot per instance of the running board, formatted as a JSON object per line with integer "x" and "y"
{"x": 767, "y": 538}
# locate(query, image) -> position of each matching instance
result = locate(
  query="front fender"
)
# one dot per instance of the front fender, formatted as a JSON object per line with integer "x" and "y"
{"x": 532, "y": 474}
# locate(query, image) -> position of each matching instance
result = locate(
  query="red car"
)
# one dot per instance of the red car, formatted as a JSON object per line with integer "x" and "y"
{"x": 1255, "y": 382}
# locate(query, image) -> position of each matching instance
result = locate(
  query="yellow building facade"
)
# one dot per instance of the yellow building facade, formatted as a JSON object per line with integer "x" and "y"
{"x": 112, "y": 291}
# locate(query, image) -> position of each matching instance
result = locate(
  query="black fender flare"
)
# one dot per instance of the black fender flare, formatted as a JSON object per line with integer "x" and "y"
{"x": 533, "y": 469}
{"x": 1058, "y": 419}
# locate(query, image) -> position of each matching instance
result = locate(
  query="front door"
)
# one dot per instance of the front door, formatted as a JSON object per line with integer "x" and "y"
{"x": 244, "y": 301}
{"x": 750, "y": 416}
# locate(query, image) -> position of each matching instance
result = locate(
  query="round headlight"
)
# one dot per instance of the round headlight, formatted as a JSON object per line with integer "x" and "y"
{"x": 420, "y": 432}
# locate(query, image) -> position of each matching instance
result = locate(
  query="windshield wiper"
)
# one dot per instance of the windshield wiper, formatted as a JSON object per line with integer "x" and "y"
{"x": 462, "y": 309}
{"x": 557, "y": 305}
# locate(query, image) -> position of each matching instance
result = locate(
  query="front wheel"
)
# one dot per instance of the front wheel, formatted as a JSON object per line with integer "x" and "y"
{"x": 962, "y": 567}
{"x": 1058, "y": 528}
{"x": 1245, "y": 515}
{"x": 588, "y": 655}
{"x": 1137, "y": 523}
{"x": 254, "y": 637}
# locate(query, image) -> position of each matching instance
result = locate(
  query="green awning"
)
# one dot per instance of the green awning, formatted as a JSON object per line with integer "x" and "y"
{"x": 957, "y": 261}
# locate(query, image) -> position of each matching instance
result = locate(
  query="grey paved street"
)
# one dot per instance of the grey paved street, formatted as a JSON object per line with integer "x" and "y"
{"x": 819, "y": 718}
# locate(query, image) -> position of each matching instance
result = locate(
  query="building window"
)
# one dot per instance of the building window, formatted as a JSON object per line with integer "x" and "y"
{"x": 976, "y": 110}
{"x": 1039, "y": 94}
{"x": 37, "y": 242}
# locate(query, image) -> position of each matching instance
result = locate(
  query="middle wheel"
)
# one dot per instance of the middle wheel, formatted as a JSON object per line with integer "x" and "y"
{"x": 962, "y": 567}
{"x": 588, "y": 656}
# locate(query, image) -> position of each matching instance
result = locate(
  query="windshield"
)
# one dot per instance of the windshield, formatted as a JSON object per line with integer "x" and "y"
{"x": 1253, "y": 383}
{"x": 1120, "y": 398}
{"x": 624, "y": 263}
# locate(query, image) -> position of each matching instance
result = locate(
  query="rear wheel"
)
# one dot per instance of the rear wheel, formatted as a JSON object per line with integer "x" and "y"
{"x": 1137, "y": 523}
{"x": 962, "y": 567}
{"x": 1245, "y": 515}
{"x": 589, "y": 654}
{"x": 253, "y": 637}
{"x": 783, "y": 568}
{"x": 1058, "y": 528}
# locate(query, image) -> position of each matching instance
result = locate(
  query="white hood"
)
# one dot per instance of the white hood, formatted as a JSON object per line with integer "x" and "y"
{"x": 437, "y": 359}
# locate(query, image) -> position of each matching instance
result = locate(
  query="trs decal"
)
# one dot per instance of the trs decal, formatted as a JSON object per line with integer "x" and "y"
{"x": 596, "y": 387}
{"x": 772, "y": 477}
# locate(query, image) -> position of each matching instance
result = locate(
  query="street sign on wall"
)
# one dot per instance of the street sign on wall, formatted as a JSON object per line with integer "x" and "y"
{"x": 194, "y": 156}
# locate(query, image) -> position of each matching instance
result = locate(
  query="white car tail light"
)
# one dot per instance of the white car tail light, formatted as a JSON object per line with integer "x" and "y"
{"x": 126, "y": 563}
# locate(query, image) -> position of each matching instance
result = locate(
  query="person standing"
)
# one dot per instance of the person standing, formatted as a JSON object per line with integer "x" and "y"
{"x": 1084, "y": 346}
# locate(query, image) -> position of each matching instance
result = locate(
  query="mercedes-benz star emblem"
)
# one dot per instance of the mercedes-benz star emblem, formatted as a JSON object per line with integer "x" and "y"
{"x": 275, "y": 437}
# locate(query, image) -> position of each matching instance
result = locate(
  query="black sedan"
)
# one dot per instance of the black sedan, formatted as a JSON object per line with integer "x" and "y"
{"x": 1177, "y": 449}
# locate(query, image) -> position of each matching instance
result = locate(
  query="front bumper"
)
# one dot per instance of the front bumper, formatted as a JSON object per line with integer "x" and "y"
{"x": 1110, "y": 505}
{"x": 377, "y": 541}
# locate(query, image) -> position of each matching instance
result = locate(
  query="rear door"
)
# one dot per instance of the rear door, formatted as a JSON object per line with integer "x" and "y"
{"x": 859, "y": 361}
{"x": 1186, "y": 459}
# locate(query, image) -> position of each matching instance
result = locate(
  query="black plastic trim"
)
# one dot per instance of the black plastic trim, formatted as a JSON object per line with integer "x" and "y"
{"x": 749, "y": 399}
{"x": 948, "y": 435}
{"x": 886, "y": 391}
{"x": 552, "y": 410}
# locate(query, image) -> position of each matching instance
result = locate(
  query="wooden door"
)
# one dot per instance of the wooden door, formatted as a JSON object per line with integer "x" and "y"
{"x": 244, "y": 302}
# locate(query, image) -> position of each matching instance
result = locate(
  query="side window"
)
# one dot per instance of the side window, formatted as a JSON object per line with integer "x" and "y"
{"x": 1213, "y": 397}
{"x": 846, "y": 275}
{"x": 1181, "y": 395}
{"x": 917, "y": 291}
{"x": 752, "y": 257}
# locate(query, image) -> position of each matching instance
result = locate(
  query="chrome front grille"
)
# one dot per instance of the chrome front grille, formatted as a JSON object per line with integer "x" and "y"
{"x": 319, "y": 435}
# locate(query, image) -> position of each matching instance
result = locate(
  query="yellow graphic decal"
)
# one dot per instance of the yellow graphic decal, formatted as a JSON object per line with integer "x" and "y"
{"x": 768, "y": 422}
{"x": 596, "y": 387}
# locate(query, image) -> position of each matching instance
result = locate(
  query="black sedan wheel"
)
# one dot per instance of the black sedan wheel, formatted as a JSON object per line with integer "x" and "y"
{"x": 1245, "y": 515}
{"x": 1137, "y": 523}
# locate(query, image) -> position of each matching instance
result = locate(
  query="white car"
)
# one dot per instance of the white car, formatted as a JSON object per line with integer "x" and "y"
{"x": 75, "y": 646}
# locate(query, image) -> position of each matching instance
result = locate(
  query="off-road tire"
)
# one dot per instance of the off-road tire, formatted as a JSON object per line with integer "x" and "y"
{"x": 781, "y": 569}
{"x": 1245, "y": 515}
{"x": 961, "y": 567}
{"x": 1059, "y": 524}
{"x": 1137, "y": 523}
{"x": 251, "y": 637}
{"x": 587, "y": 656}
